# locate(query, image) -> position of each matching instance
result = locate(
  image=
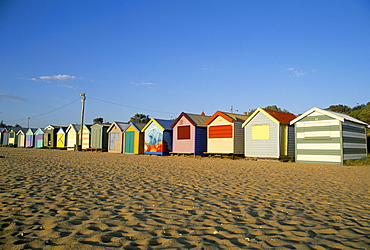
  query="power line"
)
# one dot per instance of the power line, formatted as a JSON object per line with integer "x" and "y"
{"x": 46, "y": 112}
{"x": 127, "y": 106}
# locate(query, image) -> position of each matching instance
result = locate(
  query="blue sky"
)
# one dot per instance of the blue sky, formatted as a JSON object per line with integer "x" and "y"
{"x": 162, "y": 58}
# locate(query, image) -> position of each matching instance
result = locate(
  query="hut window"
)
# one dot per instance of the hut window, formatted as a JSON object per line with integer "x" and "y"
{"x": 223, "y": 131}
{"x": 260, "y": 132}
{"x": 183, "y": 132}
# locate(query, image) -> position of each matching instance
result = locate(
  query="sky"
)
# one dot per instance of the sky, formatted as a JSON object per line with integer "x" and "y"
{"x": 162, "y": 57}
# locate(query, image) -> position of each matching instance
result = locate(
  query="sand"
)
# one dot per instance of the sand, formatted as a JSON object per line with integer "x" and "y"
{"x": 55, "y": 199}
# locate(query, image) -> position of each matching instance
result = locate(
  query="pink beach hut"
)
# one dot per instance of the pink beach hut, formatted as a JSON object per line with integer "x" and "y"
{"x": 190, "y": 134}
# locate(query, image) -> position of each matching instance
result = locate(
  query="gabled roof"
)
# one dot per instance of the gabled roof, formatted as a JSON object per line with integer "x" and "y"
{"x": 40, "y": 130}
{"x": 163, "y": 124}
{"x": 75, "y": 127}
{"x": 100, "y": 125}
{"x": 195, "y": 120}
{"x": 121, "y": 125}
{"x": 138, "y": 126}
{"x": 339, "y": 116}
{"x": 228, "y": 116}
{"x": 22, "y": 131}
{"x": 15, "y": 130}
{"x": 33, "y": 130}
{"x": 52, "y": 127}
{"x": 275, "y": 116}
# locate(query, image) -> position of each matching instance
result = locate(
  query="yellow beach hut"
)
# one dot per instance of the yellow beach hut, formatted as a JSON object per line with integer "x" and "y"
{"x": 134, "y": 138}
{"x": 72, "y": 136}
{"x": 61, "y": 137}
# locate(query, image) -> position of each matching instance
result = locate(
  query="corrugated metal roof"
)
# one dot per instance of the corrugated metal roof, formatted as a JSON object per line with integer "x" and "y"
{"x": 228, "y": 116}
{"x": 122, "y": 125}
{"x": 199, "y": 120}
{"x": 335, "y": 115}
{"x": 139, "y": 125}
{"x": 166, "y": 124}
{"x": 282, "y": 117}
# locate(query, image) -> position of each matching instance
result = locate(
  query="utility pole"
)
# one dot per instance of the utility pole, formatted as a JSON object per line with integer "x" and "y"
{"x": 83, "y": 98}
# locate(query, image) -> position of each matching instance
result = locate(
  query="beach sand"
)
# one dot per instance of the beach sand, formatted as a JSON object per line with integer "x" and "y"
{"x": 55, "y": 199}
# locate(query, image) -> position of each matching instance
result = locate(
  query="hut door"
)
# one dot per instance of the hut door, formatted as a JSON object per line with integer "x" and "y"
{"x": 129, "y": 142}
{"x": 28, "y": 141}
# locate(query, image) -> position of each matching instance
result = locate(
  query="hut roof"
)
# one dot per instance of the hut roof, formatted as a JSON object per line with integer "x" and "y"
{"x": 164, "y": 124}
{"x": 335, "y": 115}
{"x": 196, "y": 120}
{"x": 137, "y": 125}
{"x": 121, "y": 125}
{"x": 276, "y": 116}
{"x": 75, "y": 127}
{"x": 228, "y": 116}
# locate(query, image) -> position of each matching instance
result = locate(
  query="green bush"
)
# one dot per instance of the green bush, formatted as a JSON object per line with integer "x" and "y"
{"x": 359, "y": 162}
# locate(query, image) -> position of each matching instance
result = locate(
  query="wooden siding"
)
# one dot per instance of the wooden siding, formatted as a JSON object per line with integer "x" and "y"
{"x": 318, "y": 139}
{"x": 200, "y": 140}
{"x": 354, "y": 141}
{"x": 99, "y": 136}
{"x": 262, "y": 148}
{"x": 72, "y": 139}
{"x": 12, "y": 140}
{"x": 21, "y": 140}
{"x": 138, "y": 145}
{"x": 167, "y": 142}
{"x": 219, "y": 145}
{"x": 184, "y": 145}
{"x": 115, "y": 141}
{"x": 291, "y": 140}
{"x": 86, "y": 137}
{"x": 238, "y": 138}
{"x": 39, "y": 139}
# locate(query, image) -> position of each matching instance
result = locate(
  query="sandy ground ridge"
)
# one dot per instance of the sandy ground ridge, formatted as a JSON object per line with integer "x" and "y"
{"x": 53, "y": 199}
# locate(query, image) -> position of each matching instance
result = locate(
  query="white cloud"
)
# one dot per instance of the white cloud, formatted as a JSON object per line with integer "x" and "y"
{"x": 68, "y": 86}
{"x": 13, "y": 97}
{"x": 54, "y": 78}
{"x": 147, "y": 84}
{"x": 296, "y": 73}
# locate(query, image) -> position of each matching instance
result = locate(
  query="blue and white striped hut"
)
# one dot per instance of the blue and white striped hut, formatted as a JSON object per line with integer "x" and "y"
{"x": 324, "y": 136}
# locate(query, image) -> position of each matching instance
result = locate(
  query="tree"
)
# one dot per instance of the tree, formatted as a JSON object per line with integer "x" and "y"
{"x": 17, "y": 125}
{"x": 99, "y": 120}
{"x": 340, "y": 108}
{"x": 2, "y": 124}
{"x": 273, "y": 107}
{"x": 140, "y": 118}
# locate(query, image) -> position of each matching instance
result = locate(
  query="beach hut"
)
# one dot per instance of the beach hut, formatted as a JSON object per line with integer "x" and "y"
{"x": 12, "y": 140}
{"x": 21, "y": 138}
{"x": 268, "y": 134}
{"x": 72, "y": 136}
{"x": 99, "y": 136}
{"x": 61, "y": 138}
{"x": 324, "y": 136}
{"x": 158, "y": 137}
{"x": 86, "y": 136}
{"x": 39, "y": 138}
{"x": 50, "y": 136}
{"x": 225, "y": 134}
{"x": 30, "y": 138}
{"x": 4, "y": 136}
{"x": 115, "y": 137}
{"x": 134, "y": 138}
{"x": 190, "y": 134}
